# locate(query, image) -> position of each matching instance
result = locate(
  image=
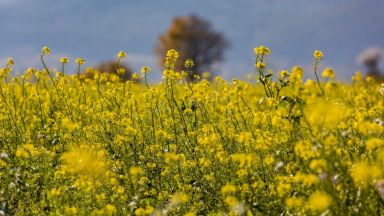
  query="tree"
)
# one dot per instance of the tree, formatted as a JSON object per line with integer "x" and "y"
{"x": 112, "y": 67}
{"x": 370, "y": 58}
{"x": 194, "y": 38}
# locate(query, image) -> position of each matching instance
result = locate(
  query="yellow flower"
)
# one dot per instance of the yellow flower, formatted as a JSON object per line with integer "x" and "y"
{"x": 269, "y": 160}
{"x": 4, "y": 72}
{"x": 144, "y": 211}
{"x": 169, "y": 157}
{"x": 305, "y": 150}
{"x": 64, "y": 60}
{"x": 70, "y": 210}
{"x": 294, "y": 202}
{"x": 364, "y": 174}
{"x": 135, "y": 76}
{"x": 283, "y": 188}
{"x": 328, "y": 73}
{"x": 309, "y": 84}
{"x": 284, "y": 73}
{"x": 45, "y": 50}
{"x": 85, "y": 161}
{"x": 30, "y": 71}
{"x": 231, "y": 201}
{"x": 171, "y": 58}
{"x": 374, "y": 143}
{"x": 297, "y": 70}
{"x": 318, "y": 55}
{"x": 145, "y": 69}
{"x": 26, "y": 151}
{"x": 121, "y": 54}
{"x": 189, "y": 63}
{"x": 80, "y": 61}
{"x": 319, "y": 201}
{"x": 10, "y": 62}
{"x": 54, "y": 192}
{"x": 228, "y": 188}
{"x": 260, "y": 65}
{"x": 21, "y": 153}
{"x": 30, "y": 148}
{"x": 318, "y": 165}
{"x": 262, "y": 50}
{"x": 310, "y": 179}
{"x": 179, "y": 199}
{"x": 68, "y": 124}
{"x": 136, "y": 171}
{"x": 110, "y": 209}
{"x": 120, "y": 71}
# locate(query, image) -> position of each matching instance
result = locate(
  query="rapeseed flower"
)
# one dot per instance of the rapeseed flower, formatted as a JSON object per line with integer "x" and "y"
{"x": 121, "y": 54}
{"x": 45, "y": 50}
{"x": 318, "y": 55}
{"x": 96, "y": 145}
{"x": 171, "y": 58}
{"x": 80, "y": 61}
{"x": 262, "y": 50}
{"x": 86, "y": 161}
{"x": 328, "y": 73}
{"x": 145, "y": 69}
{"x": 319, "y": 201}
{"x": 64, "y": 60}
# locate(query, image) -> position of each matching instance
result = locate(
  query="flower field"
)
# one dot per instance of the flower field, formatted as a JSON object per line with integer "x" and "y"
{"x": 275, "y": 145}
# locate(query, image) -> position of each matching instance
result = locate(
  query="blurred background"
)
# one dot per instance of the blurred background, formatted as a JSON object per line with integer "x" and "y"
{"x": 348, "y": 32}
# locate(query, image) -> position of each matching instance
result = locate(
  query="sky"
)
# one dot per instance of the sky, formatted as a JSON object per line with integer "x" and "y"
{"x": 96, "y": 30}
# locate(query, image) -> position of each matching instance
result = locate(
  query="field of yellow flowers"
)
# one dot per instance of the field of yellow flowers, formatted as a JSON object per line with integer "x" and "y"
{"x": 273, "y": 146}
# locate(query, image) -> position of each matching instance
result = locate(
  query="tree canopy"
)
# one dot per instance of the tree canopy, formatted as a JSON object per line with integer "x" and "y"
{"x": 194, "y": 38}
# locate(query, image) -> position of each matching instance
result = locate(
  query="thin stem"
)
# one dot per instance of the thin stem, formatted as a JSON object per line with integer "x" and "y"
{"x": 317, "y": 77}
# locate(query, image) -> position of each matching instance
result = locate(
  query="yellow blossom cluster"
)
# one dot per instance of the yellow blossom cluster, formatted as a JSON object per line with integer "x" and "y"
{"x": 273, "y": 145}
